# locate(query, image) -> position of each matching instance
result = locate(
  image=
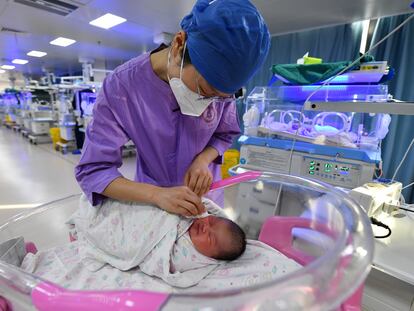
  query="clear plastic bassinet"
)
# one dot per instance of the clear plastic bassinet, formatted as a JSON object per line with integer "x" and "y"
{"x": 315, "y": 224}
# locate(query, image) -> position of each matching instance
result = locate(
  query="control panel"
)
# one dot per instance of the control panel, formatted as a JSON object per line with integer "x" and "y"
{"x": 346, "y": 173}
{"x": 333, "y": 172}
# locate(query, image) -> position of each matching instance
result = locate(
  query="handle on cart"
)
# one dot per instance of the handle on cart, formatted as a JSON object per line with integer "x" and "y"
{"x": 247, "y": 176}
{"x": 49, "y": 297}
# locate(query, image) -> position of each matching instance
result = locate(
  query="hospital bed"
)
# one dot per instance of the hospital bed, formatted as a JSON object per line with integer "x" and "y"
{"x": 312, "y": 223}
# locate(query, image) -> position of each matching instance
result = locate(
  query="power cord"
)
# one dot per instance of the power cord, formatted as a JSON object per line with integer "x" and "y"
{"x": 382, "y": 225}
{"x": 406, "y": 209}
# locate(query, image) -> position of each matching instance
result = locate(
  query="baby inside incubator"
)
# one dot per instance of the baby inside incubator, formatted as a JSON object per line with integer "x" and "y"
{"x": 179, "y": 250}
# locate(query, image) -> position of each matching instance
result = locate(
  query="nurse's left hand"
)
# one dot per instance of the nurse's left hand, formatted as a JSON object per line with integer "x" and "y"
{"x": 199, "y": 177}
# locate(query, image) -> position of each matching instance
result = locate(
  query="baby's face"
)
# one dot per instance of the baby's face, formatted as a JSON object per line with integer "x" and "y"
{"x": 210, "y": 235}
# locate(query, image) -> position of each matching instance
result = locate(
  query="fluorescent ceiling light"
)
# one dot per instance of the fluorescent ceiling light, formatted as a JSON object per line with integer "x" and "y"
{"x": 7, "y": 67}
{"x": 107, "y": 21}
{"x": 20, "y": 61}
{"x": 62, "y": 41}
{"x": 36, "y": 53}
{"x": 2, "y": 71}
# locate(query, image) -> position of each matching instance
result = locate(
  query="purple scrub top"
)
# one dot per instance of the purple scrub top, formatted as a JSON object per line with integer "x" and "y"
{"x": 135, "y": 104}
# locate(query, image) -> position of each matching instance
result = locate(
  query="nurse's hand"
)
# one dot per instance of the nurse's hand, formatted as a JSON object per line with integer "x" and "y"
{"x": 199, "y": 177}
{"x": 179, "y": 200}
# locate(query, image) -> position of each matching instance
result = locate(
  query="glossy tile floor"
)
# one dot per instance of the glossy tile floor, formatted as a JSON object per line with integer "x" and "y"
{"x": 34, "y": 174}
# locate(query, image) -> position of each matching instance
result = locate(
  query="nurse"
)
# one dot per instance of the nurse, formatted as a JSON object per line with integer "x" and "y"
{"x": 176, "y": 105}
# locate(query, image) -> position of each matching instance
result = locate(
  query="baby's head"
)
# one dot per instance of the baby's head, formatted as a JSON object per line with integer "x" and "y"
{"x": 218, "y": 238}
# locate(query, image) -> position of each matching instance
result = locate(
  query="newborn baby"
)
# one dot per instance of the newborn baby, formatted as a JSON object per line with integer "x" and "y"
{"x": 179, "y": 250}
{"x": 217, "y": 238}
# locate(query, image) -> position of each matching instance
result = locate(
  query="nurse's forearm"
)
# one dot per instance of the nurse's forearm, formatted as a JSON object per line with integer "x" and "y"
{"x": 176, "y": 200}
{"x": 126, "y": 190}
{"x": 208, "y": 155}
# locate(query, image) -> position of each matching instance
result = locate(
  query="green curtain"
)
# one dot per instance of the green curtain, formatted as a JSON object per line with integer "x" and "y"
{"x": 398, "y": 50}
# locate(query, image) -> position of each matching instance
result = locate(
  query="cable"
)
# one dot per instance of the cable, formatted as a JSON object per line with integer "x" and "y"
{"x": 341, "y": 72}
{"x": 402, "y": 161}
{"x": 382, "y": 225}
{"x": 406, "y": 209}
{"x": 380, "y": 164}
{"x": 408, "y": 186}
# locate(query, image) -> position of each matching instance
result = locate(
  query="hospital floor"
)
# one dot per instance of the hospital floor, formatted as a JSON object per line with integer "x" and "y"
{"x": 35, "y": 174}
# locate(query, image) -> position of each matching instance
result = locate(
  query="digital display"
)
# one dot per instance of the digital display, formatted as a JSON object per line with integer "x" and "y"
{"x": 328, "y": 167}
{"x": 344, "y": 170}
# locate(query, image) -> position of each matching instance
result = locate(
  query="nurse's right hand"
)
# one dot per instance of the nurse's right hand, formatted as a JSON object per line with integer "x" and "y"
{"x": 179, "y": 200}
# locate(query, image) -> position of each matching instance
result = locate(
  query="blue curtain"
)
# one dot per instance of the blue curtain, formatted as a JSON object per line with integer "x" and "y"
{"x": 398, "y": 50}
{"x": 332, "y": 44}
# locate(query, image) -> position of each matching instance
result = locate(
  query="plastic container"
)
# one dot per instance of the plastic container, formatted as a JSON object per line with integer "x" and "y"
{"x": 316, "y": 225}
{"x": 312, "y": 60}
{"x": 55, "y": 135}
{"x": 10, "y": 118}
{"x": 230, "y": 158}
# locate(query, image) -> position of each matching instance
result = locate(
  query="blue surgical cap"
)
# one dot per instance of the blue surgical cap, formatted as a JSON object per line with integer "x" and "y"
{"x": 227, "y": 41}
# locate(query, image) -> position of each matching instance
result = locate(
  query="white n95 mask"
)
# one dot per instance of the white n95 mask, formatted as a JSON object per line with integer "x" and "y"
{"x": 190, "y": 103}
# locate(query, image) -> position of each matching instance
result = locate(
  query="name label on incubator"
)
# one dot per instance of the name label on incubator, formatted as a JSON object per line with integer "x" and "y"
{"x": 267, "y": 158}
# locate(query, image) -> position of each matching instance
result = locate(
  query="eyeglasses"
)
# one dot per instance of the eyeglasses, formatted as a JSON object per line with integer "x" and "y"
{"x": 212, "y": 98}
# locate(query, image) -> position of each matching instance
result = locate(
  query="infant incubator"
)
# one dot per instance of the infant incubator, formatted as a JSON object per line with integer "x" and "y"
{"x": 340, "y": 148}
{"x": 312, "y": 223}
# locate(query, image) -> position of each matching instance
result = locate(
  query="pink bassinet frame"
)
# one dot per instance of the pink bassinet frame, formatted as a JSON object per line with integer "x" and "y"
{"x": 47, "y": 296}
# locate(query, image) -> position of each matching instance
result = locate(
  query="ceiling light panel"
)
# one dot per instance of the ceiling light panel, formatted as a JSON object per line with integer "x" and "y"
{"x": 107, "y": 21}
{"x": 19, "y": 61}
{"x": 61, "y": 41}
{"x": 7, "y": 67}
{"x": 36, "y": 53}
